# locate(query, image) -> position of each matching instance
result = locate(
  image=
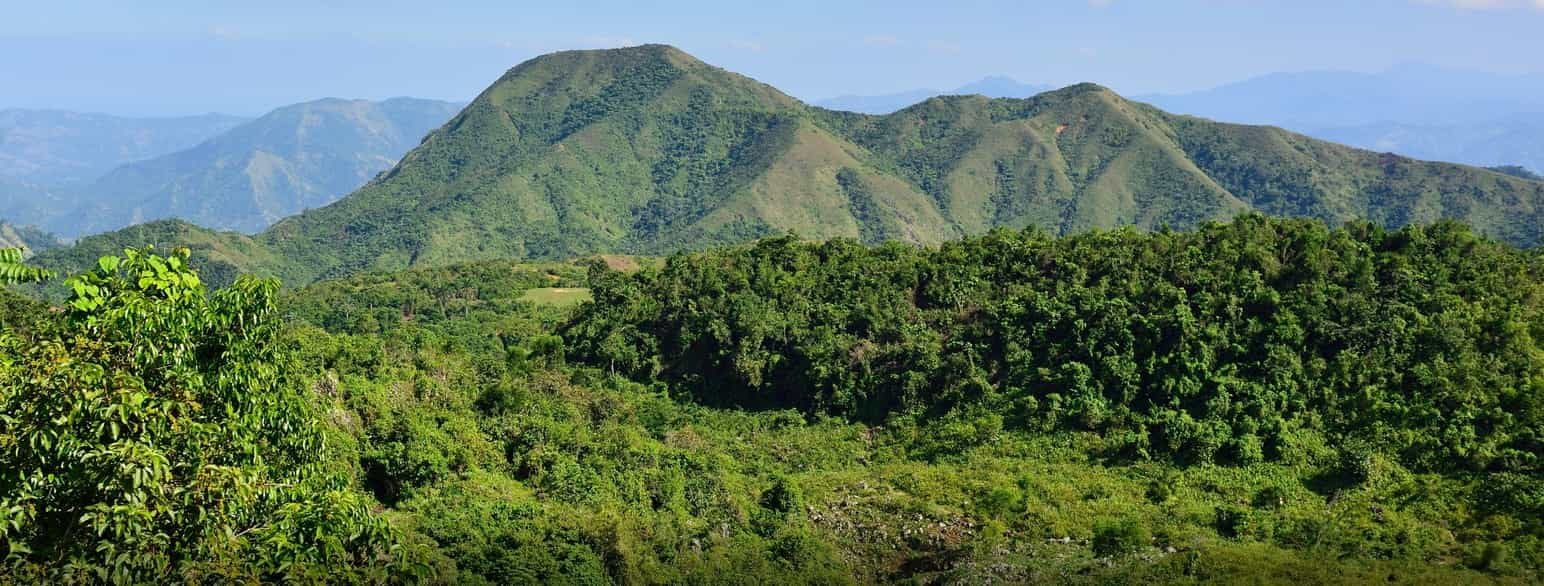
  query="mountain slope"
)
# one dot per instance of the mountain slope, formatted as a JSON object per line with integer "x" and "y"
{"x": 219, "y": 257}
{"x": 991, "y": 87}
{"x": 1409, "y": 93}
{"x": 55, "y": 148}
{"x": 297, "y": 157}
{"x": 646, "y": 150}
{"x": 29, "y": 238}
{"x": 1420, "y": 111}
{"x": 635, "y": 150}
{"x": 1512, "y": 140}
{"x": 32, "y": 204}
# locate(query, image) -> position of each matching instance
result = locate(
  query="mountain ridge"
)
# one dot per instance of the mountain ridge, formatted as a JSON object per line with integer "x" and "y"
{"x": 58, "y": 148}
{"x": 293, "y": 158}
{"x": 647, "y": 150}
{"x": 992, "y": 86}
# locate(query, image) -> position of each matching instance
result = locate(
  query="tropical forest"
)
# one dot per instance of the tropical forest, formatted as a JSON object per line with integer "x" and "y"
{"x": 626, "y": 317}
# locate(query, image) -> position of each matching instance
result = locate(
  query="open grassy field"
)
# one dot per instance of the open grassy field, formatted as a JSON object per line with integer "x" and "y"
{"x": 557, "y": 296}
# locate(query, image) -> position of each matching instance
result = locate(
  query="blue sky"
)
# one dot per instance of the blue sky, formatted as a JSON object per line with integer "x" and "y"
{"x": 185, "y": 56}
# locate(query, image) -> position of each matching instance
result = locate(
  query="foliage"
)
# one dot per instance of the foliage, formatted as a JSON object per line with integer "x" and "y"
{"x": 477, "y": 429}
{"x": 12, "y": 271}
{"x": 992, "y": 411}
{"x": 1250, "y": 341}
{"x": 1118, "y": 537}
{"x": 28, "y": 238}
{"x": 159, "y": 431}
{"x": 219, "y": 257}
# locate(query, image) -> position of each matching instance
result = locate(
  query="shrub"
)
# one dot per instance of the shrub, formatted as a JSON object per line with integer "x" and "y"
{"x": 1119, "y": 537}
{"x": 1001, "y": 501}
{"x": 160, "y": 430}
{"x": 1489, "y": 558}
{"x": 1161, "y": 489}
{"x": 1270, "y": 497}
{"x": 1232, "y": 521}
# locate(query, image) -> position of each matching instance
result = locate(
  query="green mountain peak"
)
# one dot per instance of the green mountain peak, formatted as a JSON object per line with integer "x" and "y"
{"x": 647, "y": 150}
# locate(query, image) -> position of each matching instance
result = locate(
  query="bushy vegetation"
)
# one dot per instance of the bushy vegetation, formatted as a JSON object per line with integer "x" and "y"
{"x": 1258, "y": 340}
{"x": 219, "y": 256}
{"x": 152, "y": 431}
{"x": 742, "y": 448}
{"x": 1265, "y": 400}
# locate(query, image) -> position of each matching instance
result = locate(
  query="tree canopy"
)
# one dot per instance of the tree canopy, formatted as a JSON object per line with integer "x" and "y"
{"x": 154, "y": 429}
{"x": 1238, "y": 342}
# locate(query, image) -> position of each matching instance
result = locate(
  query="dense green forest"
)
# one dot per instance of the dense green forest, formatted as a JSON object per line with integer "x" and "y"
{"x": 1258, "y": 401}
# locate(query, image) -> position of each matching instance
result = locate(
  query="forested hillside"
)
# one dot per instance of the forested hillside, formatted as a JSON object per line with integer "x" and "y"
{"x": 28, "y": 238}
{"x": 1237, "y": 343}
{"x": 648, "y": 150}
{"x": 1261, "y": 398}
{"x": 219, "y": 256}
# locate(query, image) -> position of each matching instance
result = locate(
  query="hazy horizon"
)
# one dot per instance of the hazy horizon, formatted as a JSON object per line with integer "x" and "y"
{"x": 182, "y": 58}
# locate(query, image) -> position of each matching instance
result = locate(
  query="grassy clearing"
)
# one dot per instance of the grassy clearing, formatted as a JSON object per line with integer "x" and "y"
{"x": 557, "y": 296}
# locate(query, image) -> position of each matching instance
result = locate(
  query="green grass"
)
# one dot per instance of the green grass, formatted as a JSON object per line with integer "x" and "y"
{"x": 557, "y": 296}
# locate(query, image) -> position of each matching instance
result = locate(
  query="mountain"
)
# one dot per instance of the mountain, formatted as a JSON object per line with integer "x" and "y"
{"x": 644, "y": 149}
{"x": 294, "y": 158}
{"x": 1409, "y": 93}
{"x": 1414, "y": 110}
{"x": 997, "y": 86}
{"x": 30, "y": 203}
{"x": 1517, "y": 171}
{"x": 647, "y": 150}
{"x": 58, "y": 148}
{"x": 877, "y": 104}
{"x": 992, "y": 87}
{"x": 219, "y": 256}
{"x": 29, "y": 238}
{"x": 1513, "y": 140}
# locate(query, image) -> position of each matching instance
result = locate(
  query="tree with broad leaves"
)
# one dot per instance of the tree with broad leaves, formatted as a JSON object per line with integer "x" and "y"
{"x": 155, "y": 433}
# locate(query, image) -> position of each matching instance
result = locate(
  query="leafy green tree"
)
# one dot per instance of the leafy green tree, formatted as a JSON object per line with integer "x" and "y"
{"x": 156, "y": 431}
{"x": 1238, "y": 343}
{"x": 12, "y": 271}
